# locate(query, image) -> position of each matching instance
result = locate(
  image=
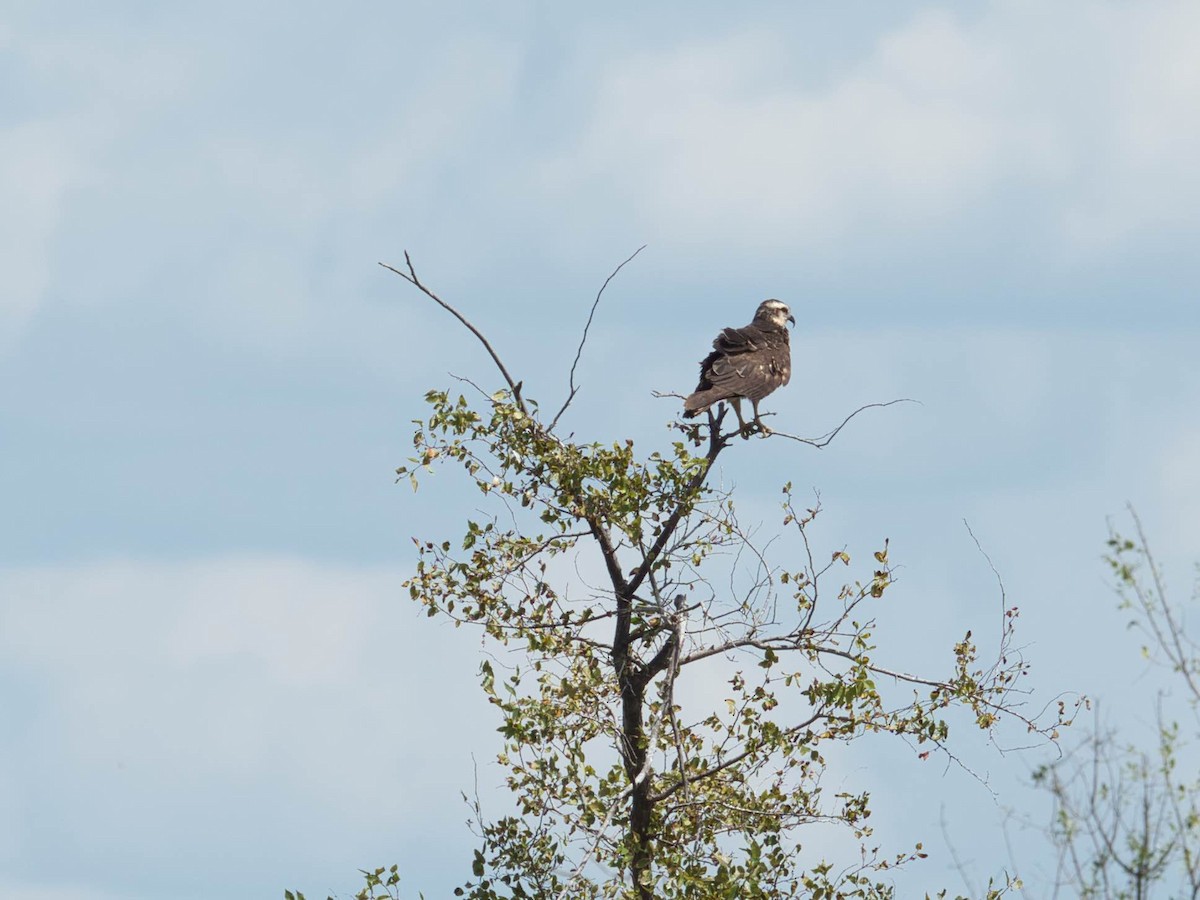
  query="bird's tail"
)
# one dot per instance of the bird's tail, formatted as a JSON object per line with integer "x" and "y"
{"x": 697, "y": 403}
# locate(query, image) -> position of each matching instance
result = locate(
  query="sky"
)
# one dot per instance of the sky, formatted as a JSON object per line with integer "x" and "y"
{"x": 212, "y": 680}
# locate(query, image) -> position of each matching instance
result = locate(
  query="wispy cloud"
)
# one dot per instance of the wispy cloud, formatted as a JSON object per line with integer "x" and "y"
{"x": 170, "y": 704}
{"x": 1085, "y": 105}
{"x": 39, "y": 163}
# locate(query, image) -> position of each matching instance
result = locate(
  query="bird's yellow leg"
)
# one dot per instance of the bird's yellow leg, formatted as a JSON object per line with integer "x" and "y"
{"x": 758, "y": 422}
{"x": 743, "y": 428}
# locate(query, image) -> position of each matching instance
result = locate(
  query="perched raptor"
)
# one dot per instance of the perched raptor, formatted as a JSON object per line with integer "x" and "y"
{"x": 747, "y": 362}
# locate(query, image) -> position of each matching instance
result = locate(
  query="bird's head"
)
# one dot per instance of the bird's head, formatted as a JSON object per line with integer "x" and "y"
{"x": 774, "y": 311}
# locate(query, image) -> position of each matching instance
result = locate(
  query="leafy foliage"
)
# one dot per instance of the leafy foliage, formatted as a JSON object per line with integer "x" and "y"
{"x": 621, "y": 788}
{"x": 380, "y": 884}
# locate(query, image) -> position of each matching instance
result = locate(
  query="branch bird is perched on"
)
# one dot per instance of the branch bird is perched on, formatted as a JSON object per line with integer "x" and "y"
{"x": 748, "y": 362}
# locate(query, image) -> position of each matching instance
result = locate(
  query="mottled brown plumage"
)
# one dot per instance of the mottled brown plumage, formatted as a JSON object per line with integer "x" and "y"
{"x": 748, "y": 362}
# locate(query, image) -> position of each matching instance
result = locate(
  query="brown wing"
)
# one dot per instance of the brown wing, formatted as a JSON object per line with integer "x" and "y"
{"x": 746, "y": 362}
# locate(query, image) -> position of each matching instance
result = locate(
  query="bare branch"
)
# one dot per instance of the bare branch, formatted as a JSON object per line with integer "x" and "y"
{"x": 959, "y": 865}
{"x": 825, "y": 439}
{"x": 818, "y": 442}
{"x": 583, "y": 340}
{"x": 1003, "y": 593}
{"x": 411, "y": 278}
{"x": 1171, "y": 638}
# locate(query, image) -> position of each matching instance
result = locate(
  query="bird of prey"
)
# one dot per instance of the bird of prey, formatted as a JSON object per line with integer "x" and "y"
{"x": 747, "y": 362}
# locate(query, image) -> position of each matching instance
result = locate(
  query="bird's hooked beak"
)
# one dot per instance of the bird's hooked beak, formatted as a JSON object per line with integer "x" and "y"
{"x": 792, "y": 319}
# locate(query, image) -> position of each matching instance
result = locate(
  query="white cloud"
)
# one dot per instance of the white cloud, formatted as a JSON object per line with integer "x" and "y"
{"x": 26, "y": 890}
{"x": 243, "y": 644}
{"x": 1088, "y": 105}
{"x": 161, "y": 698}
{"x": 39, "y": 163}
{"x": 427, "y": 125}
{"x": 324, "y": 196}
{"x": 89, "y": 95}
{"x": 145, "y": 152}
{"x": 1127, "y": 117}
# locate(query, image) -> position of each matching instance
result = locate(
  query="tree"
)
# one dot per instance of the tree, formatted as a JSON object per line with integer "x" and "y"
{"x": 1125, "y": 814}
{"x": 625, "y": 786}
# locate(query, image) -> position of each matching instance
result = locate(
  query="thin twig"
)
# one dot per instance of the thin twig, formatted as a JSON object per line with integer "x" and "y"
{"x": 991, "y": 565}
{"x": 959, "y": 866}
{"x": 1172, "y": 640}
{"x": 825, "y": 439}
{"x": 1000, "y": 583}
{"x": 466, "y": 380}
{"x": 411, "y": 278}
{"x": 819, "y": 442}
{"x": 583, "y": 340}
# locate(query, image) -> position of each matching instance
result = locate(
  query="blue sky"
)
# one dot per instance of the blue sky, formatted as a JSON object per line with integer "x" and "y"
{"x": 212, "y": 683}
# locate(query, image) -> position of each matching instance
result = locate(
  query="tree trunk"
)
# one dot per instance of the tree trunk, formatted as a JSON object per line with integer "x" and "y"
{"x": 633, "y": 754}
